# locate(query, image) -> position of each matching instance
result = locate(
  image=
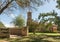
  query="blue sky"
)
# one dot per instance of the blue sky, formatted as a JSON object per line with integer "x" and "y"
{"x": 47, "y": 7}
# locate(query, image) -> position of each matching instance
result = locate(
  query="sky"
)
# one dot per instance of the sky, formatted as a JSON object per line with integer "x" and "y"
{"x": 47, "y": 7}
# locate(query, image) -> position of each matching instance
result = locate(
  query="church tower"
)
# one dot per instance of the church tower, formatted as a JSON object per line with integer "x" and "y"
{"x": 29, "y": 18}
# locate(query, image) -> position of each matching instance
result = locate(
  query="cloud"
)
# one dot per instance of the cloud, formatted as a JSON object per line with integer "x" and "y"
{"x": 12, "y": 15}
{"x": 9, "y": 25}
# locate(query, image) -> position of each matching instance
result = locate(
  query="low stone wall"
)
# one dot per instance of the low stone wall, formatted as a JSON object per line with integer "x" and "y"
{"x": 18, "y": 31}
{"x": 6, "y": 32}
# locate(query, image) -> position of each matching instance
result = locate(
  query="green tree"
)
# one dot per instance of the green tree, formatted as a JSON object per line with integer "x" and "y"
{"x": 19, "y": 21}
{"x": 58, "y": 4}
{"x": 48, "y": 19}
{"x": 33, "y": 26}
{"x": 57, "y": 22}
{"x": 43, "y": 17}
{"x": 1, "y": 24}
{"x": 5, "y": 4}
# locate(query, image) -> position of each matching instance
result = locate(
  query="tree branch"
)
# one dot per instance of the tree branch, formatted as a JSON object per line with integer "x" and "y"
{"x": 6, "y": 6}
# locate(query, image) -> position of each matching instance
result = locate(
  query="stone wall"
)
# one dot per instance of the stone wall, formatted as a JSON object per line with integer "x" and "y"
{"x": 6, "y": 32}
{"x": 18, "y": 31}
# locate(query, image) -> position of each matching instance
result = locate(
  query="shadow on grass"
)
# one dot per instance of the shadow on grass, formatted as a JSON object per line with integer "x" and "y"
{"x": 31, "y": 38}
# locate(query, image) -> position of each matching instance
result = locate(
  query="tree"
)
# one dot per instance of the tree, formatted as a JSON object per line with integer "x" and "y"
{"x": 1, "y": 24}
{"x": 33, "y": 26}
{"x": 47, "y": 19}
{"x": 57, "y": 22}
{"x": 44, "y": 17}
{"x": 19, "y": 21}
{"x": 22, "y": 3}
{"x": 58, "y": 4}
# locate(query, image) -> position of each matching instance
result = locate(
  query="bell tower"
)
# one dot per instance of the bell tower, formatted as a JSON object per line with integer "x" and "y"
{"x": 29, "y": 18}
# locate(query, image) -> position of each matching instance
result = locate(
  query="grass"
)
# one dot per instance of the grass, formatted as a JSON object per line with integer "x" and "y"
{"x": 38, "y": 37}
{"x": 51, "y": 34}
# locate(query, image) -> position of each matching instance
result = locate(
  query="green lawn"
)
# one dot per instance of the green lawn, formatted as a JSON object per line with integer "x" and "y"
{"x": 38, "y": 37}
{"x": 52, "y": 34}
